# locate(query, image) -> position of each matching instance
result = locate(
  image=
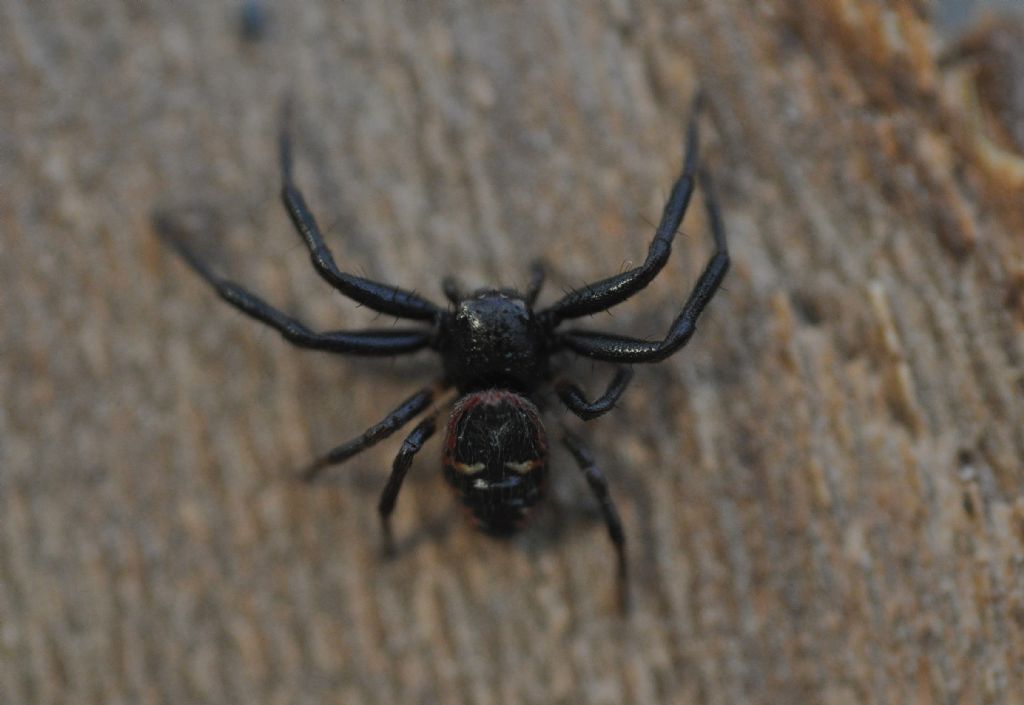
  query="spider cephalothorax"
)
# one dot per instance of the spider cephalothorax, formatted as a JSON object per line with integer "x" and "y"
{"x": 492, "y": 338}
{"x": 495, "y": 351}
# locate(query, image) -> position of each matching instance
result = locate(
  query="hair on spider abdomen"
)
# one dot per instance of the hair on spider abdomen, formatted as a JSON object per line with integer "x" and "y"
{"x": 495, "y": 351}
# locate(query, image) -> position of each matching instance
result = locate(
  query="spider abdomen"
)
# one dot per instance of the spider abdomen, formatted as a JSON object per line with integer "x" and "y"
{"x": 496, "y": 458}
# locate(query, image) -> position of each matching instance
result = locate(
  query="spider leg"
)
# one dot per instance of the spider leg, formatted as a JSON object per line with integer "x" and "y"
{"x": 536, "y": 282}
{"x": 380, "y": 297}
{"x": 412, "y": 445}
{"x": 397, "y": 418}
{"x": 613, "y": 290}
{"x": 572, "y": 396}
{"x": 451, "y": 289}
{"x": 599, "y": 486}
{"x": 617, "y": 348}
{"x": 379, "y": 342}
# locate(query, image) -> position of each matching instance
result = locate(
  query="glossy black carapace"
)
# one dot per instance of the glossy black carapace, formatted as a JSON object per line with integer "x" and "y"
{"x": 496, "y": 351}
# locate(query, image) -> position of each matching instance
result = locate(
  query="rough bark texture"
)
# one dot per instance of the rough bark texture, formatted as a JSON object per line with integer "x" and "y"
{"x": 823, "y": 493}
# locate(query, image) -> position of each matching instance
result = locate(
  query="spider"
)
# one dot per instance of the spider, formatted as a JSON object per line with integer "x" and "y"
{"x": 495, "y": 351}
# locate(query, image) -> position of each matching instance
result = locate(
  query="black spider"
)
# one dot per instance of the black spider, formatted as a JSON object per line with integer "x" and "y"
{"x": 495, "y": 350}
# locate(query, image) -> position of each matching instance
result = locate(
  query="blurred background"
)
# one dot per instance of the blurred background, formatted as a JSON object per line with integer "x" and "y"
{"x": 957, "y": 15}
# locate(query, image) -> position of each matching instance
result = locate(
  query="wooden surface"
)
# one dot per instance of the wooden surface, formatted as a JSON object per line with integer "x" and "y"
{"x": 823, "y": 493}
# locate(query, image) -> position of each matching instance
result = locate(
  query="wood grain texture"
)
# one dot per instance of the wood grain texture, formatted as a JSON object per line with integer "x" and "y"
{"x": 823, "y": 493}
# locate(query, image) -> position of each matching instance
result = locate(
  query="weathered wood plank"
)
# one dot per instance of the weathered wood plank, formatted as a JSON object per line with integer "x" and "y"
{"x": 823, "y": 493}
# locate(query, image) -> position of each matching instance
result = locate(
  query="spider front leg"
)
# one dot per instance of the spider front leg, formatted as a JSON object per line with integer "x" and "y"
{"x": 379, "y": 297}
{"x": 606, "y": 293}
{"x": 382, "y": 342}
{"x": 599, "y": 486}
{"x": 403, "y": 461}
{"x": 618, "y": 348}
{"x": 536, "y": 283}
{"x": 452, "y": 290}
{"x": 572, "y": 396}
